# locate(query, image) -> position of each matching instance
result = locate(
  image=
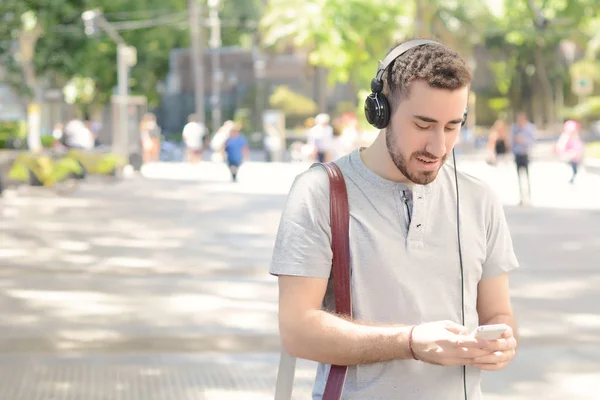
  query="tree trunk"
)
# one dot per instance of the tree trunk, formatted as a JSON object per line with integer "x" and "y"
{"x": 545, "y": 85}
{"x": 27, "y": 42}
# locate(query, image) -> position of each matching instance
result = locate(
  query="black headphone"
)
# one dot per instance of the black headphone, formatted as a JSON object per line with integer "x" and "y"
{"x": 377, "y": 108}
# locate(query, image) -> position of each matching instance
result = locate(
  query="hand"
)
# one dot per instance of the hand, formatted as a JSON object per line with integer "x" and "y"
{"x": 447, "y": 343}
{"x": 503, "y": 351}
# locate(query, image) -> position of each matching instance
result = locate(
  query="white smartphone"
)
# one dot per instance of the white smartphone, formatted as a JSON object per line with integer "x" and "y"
{"x": 490, "y": 332}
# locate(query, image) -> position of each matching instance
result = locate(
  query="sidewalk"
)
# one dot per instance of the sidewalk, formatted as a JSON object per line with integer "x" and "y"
{"x": 157, "y": 287}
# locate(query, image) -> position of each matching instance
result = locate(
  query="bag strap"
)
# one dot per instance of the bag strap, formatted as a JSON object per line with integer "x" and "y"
{"x": 340, "y": 243}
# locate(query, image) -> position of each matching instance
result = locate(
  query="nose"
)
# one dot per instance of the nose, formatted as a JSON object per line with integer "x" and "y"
{"x": 436, "y": 144}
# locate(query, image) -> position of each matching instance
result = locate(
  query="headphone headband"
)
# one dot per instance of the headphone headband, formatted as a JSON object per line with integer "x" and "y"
{"x": 377, "y": 109}
{"x": 398, "y": 51}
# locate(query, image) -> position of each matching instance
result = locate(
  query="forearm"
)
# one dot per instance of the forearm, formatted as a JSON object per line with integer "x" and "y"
{"x": 503, "y": 319}
{"x": 328, "y": 338}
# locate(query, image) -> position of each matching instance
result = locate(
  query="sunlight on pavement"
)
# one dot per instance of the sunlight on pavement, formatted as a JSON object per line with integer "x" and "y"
{"x": 550, "y": 187}
{"x": 230, "y": 394}
{"x": 549, "y": 182}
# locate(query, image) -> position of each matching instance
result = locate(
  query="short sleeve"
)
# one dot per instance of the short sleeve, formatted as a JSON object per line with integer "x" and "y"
{"x": 303, "y": 242}
{"x": 500, "y": 255}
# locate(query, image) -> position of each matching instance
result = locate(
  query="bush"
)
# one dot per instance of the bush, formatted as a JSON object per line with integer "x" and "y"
{"x": 12, "y": 132}
{"x": 44, "y": 169}
{"x": 592, "y": 150}
{"x": 47, "y": 141}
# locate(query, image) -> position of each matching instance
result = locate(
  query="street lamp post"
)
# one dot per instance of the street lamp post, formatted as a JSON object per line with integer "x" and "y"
{"x": 259, "y": 74}
{"x": 215, "y": 44}
{"x": 126, "y": 58}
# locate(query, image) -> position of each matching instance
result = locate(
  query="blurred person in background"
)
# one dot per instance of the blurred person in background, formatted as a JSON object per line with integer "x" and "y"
{"x": 217, "y": 143}
{"x": 237, "y": 150}
{"x": 498, "y": 143}
{"x": 76, "y": 135}
{"x": 150, "y": 136}
{"x": 58, "y": 131}
{"x": 523, "y": 137}
{"x": 320, "y": 136}
{"x": 343, "y": 140}
{"x": 193, "y": 136}
{"x": 570, "y": 146}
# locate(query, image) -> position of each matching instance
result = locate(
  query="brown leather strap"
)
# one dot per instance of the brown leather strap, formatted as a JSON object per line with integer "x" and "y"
{"x": 340, "y": 243}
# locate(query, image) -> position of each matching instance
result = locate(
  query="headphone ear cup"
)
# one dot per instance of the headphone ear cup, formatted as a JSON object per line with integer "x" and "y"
{"x": 377, "y": 110}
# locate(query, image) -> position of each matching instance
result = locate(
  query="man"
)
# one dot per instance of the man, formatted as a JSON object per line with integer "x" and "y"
{"x": 406, "y": 272}
{"x": 193, "y": 135}
{"x": 236, "y": 149}
{"x": 523, "y": 136}
{"x": 320, "y": 136}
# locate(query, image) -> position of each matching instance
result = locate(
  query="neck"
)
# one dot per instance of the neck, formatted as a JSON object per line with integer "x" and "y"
{"x": 377, "y": 158}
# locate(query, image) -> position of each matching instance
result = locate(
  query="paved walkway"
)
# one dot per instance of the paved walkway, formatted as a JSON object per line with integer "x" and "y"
{"x": 156, "y": 288}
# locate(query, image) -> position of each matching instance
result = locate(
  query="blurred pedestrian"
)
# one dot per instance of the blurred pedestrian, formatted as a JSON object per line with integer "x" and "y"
{"x": 193, "y": 136}
{"x": 320, "y": 136}
{"x": 236, "y": 149}
{"x": 523, "y": 136}
{"x": 217, "y": 143}
{"x": 77, "y": 136}
{"x": 150, "y": 136}
{"x": 570, "y": 146}
{"x": 342, "y": 142}
{"x": 498, "y": 143}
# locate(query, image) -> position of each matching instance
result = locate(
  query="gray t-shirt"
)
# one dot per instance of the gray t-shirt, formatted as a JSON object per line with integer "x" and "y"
{"x": 400, "y": 274}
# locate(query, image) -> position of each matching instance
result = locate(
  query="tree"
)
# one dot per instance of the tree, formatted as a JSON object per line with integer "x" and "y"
{"x": 345, "y": 36}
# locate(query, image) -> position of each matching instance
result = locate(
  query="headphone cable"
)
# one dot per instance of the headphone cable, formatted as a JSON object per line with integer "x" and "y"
{"x": 462, "y": 281}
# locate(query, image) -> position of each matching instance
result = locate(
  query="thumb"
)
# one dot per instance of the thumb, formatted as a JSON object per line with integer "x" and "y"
{"x": 455, "y": 328}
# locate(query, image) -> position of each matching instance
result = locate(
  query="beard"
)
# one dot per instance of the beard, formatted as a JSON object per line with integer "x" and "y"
{"x": 401, "y": 161}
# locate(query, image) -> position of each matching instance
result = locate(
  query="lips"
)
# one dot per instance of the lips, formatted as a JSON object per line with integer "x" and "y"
{"x": 428, "y": 164}
{"x": 424, "y": 160}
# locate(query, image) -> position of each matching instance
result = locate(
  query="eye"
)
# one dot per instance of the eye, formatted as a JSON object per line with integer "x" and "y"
{"x": 423, "y": 128}
{"x": 451, "y": 128}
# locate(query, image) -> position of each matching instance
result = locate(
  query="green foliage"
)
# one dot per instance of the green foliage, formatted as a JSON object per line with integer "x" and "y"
{"x": 339, "y": 33}
{"x": 47, "y": 141}
{"x": 12, "y": 130}
{"x": 292, "y": 103}
{"x": 499, "y": 104}
{"x": 108, "y": 164}
{"x": 19, "y": 172}
{"x": 589, "y": 109}
{"x": 44, "y": 168}
{"x": 96, "y": 163}
{"x": 62, "y": 169}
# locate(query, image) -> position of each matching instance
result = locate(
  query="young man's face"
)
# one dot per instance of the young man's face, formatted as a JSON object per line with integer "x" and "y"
{"x": 423, "y": 130}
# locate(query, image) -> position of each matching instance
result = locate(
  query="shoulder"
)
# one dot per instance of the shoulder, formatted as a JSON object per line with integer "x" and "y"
{"x": 313, "y": 182}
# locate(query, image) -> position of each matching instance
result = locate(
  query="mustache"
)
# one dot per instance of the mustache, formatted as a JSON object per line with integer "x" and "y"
{"x": 427, "y": 155}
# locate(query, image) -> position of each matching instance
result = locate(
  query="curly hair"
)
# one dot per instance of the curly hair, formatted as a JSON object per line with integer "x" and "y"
{"x": 437, "y": 65}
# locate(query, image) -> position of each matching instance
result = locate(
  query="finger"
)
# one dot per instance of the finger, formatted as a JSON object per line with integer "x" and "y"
{"x": 508, "y": 333}
{"x": 455, "y": 328}
{"x": 465, "y": 353}
{"x": 471, "y": 342}
{"x": 502, "y": 344}
{"x": 496, "y": 357}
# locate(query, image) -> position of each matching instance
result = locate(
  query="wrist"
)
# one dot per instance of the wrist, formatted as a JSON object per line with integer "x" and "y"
{"x": 404, "y": 346}
{"x": 411, "y": 350}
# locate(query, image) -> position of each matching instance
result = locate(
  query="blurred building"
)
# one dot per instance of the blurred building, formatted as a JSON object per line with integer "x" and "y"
{"x": 247, "y": 81}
